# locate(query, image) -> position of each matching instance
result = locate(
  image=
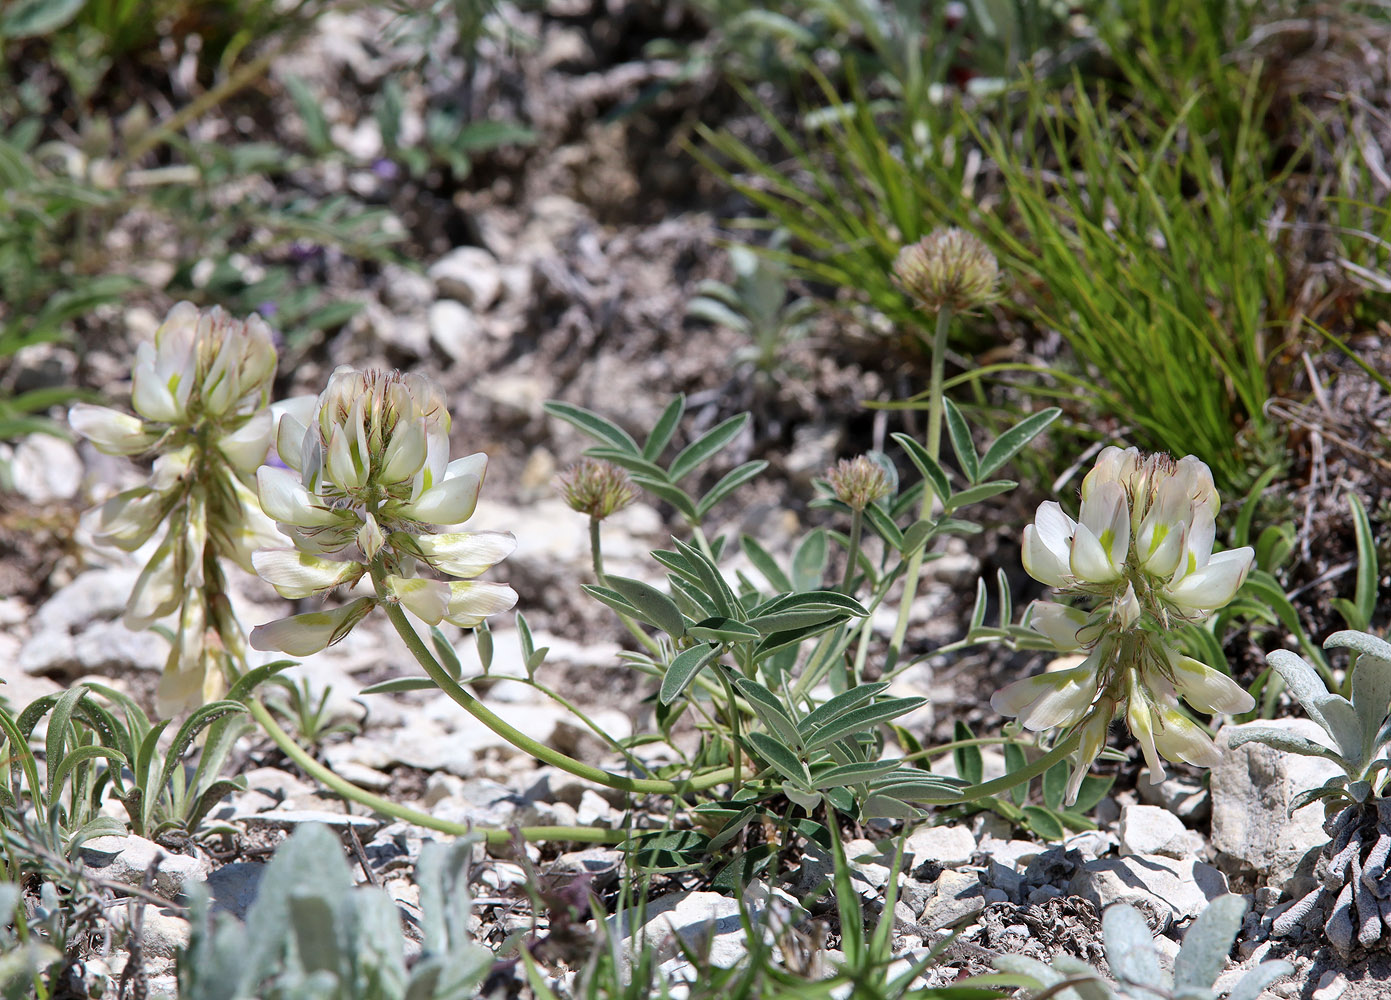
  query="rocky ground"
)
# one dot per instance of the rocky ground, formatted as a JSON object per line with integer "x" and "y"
{"x": 564, "y": 272}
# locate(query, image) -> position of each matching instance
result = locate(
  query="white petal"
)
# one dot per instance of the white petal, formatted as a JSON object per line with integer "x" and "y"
{"x": 1055, "y": 698}
{"x": 156, "y": 592}
{"x": 1106, "y": 515}
{"x": 1214, "y": 585}
{"x": 292, "y": 417}
{"x": 370, "y": 537}
{"x": 1126, "y": 608}
{"x": 1113, "y": 465}
{"x": 151, "y": 398}
{"x": 1090, "y": 561}
{"x": 343, "y": 468}
{"x": 112, "y": 431}
{"x": 285, "y": 499}
{"x": 1197, "y": 543}
{"x": 1059, "y": 623}
{"x": 452, "y": 501}
{"x": 1138, "y": 718}
{"x": 468, "y": 553}
{"x": 1209, "y": 690}
{"x": 428, "y": 600}
{"x": 1045, "y": 548}
{"x": 1179, "y": 739}
{"x": 301, "y": 635}
{"x": 1093, "y": 732}
{"x": 471, "y": 601}
{"x": 246, "y": 447}
{"x": 1054, "y": 528}
{"x": 128, "y": 519}
{"x": 296, "y": 574}
{"x": 405, "y": 454}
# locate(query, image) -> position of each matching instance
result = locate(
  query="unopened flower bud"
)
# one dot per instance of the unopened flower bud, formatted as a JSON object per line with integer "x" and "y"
{"x": 596, "y": 488}
{"x": 859, "y": 481}
{"x": 948, "y": 269}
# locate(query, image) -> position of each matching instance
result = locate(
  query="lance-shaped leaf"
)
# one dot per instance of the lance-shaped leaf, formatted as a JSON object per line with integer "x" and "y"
{"x": 862, "y": 718}
{"x": 1008, "y": 444}
{"x": 1279, "y": 739}
{"x": 1130, "y": 949}
{"x": 931, "y": 470}
{"x": 683, "y": 669}
{"x": 705, "y": 447}
{"x": 770, "y": 711}
{"x": 593, "y": 425}
{"x": 1203, "y": 955}
{"x": 965, "y": 449}
{"x": 724, "y": 630}
{"x": 782, "y": 758}
{"x": 652, "y": 606}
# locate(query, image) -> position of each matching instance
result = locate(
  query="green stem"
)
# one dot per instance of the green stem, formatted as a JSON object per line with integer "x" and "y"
{"x": 857, "y": 520}
{"x": 519, "y": 739}
{"x": 934, "y": 447}
{"x": 594, "y": 727}
{"x": 1004, "y": 783}
{"x": 596, "y": 555}
{"x": 345, "y": 788}
{"x": 733, "y": 717}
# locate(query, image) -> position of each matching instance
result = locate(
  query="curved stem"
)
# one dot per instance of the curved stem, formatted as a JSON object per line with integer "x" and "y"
{"x": 934, "y": 447}
{"x": 594, "y": 727}
{"x": 521, "y": 740}
{"x": 1005, "y": 782}
{"x": 345, "y": 788}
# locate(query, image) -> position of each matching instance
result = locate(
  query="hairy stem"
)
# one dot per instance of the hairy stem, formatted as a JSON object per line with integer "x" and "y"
{"x": 934, "y": 447}
{"x": 345, "y": 788}
{"x": 519, "y": 739}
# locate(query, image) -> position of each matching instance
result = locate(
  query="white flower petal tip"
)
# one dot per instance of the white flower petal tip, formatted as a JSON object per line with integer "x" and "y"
{"x": 1093, "y": 731}
{"x": 128, "y": 519}
{"x": 157, "y": 591}
{"x": 1089, "y": 560}
{"x": 302, "y": 635}
{"x": 1059, "y": 623}
{"x": 1179, "y": 739}
{"x": 428, "y": 600}
{"x": 450, "y": 502}
{"x": 1138, "y": 718}
{"x": 111, "y": 431}
{"x": 466, "y": 554}
{"x": 1046, "y": 544}
{"x": 1055, "y": 698}
{"x": 285, "y": 499}
{"x": 1209, "y": 690}
{"x": 473, "y": 600}
{"x": 297, "y": 575}
{"x": 1213, "y": 585}
{"x": 246, "y": 447}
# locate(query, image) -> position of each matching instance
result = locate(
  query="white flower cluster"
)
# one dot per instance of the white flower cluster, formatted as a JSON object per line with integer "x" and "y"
{"x": 368, "y": 479}
{"x": 1140, "y": 558}
{"x": 201, "y": 391}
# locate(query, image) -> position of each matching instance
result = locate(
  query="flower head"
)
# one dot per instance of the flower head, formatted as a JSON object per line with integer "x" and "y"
{"x": 368, "y": 478}
{"x": 200, "y": 392}
{"x": 859, "y": 482}
{"x": 1139, "y": 559}
{"x": 597, "y": 488}
{"x": 948, "y": 269}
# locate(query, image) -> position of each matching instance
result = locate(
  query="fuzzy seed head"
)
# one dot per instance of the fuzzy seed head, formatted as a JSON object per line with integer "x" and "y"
{"x": 596, "y": 488}
{"x": 859, "y": 481}
{"x": 948, "y": 269}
